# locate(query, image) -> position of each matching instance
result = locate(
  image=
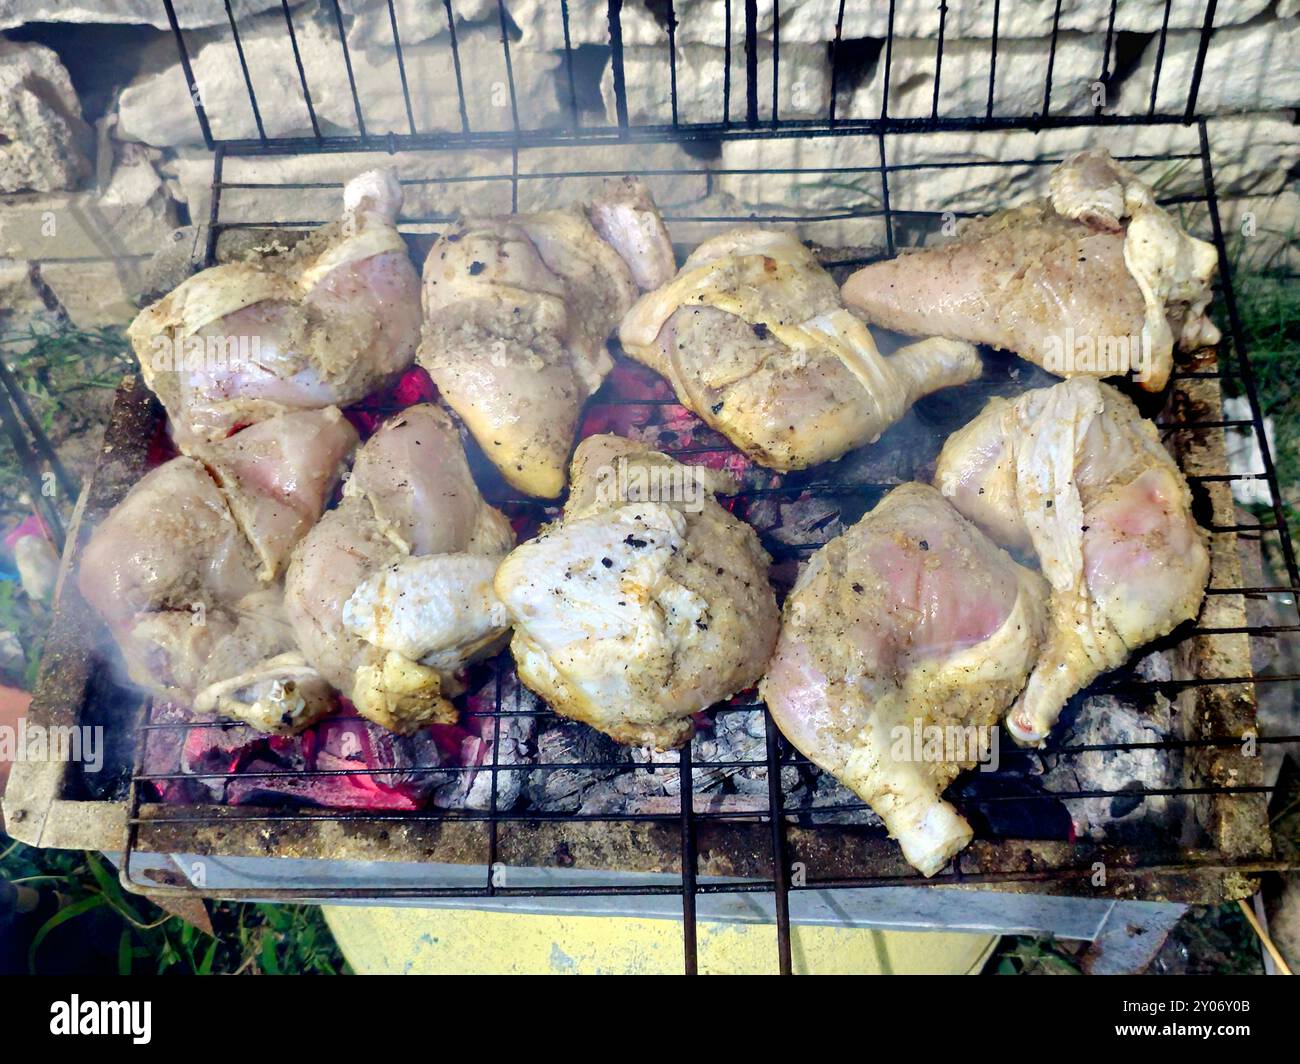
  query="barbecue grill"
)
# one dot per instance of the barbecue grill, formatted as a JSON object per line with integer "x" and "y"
{"x": 784, "y": 845}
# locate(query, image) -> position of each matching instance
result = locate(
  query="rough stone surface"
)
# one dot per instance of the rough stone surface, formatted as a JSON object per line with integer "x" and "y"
{"x": 542, "y": 25}
{"x": 180, "y": 255}
{"x": 964, "y": 78}
{"x": 1252, "y": 155}
{"x": 676, "y": 178}
{"x": 130, "y": 217}
{"x": 814, "y": 21}
{"x": 417, "y": 20}
{"x": 1247, "y": 68}
{"x": 95, "y": 293}
{"x": 20, "y": 300}
{"x": 43, "y": 139}
{"x": 283, "y": 199}
{"x": 149, "y": 111}
{"x": 804, "y": 83}
{"x": 192, "y": 14}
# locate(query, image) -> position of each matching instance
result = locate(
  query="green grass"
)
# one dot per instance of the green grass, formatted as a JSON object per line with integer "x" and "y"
{"x": 1026, "y": 955}
{"x": 1269, "y": 306}
{"x": 99, "y": 928}
{"x": 29, "y": 621}
{"x": 67, "y": 376}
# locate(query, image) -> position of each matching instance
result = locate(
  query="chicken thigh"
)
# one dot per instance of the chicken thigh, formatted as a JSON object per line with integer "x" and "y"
{"x": 1097, "y": 279}
{"x": 518, "y": 310}
{"x": 390, "y": 595}
{"x": 646, "y": 603}
{"x": 754, "y": 339}
{"x": 324, "y": 324}
{"x": 185, "y": 570}
{"x": 1077, "y": 475}
{"x": 909, "y": 625}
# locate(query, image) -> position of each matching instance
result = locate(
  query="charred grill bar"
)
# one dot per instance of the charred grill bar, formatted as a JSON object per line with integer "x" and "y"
{"x": 707, "y": 847}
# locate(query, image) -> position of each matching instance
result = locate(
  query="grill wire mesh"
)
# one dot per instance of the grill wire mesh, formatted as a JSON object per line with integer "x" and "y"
{"x": 1272, "y": 613}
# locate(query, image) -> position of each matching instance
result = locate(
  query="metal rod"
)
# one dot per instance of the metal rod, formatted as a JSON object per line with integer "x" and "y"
{"x": 568, "y": 66}
{"x": 347, "y": 62}
{"x": 780, "y": 877}
{"x": 686, "y": 777}
{"x": 455, "y": 63}
{"x": 214, "y": 207}
{"x": 615, "y": 16}
{"x": 29, "y": 464}
{"x": 776, "y": 63}
{"x": 1051, "y": 61}
{"x": 40, "y": 441}
{"x": 1105, "y": 55}
{"x": 1203, "y": 46}
{"x": 401, "y": 67}
{"x": 243, "y": 66}
{"x": 510, "y": 69}
{"x": 302, "y": 73}
{"x": 835, "y": 62}
{"x": 191, "y": 85}
{"x": 751, "y": 62}
{"x": 1160, "y": 57}
{"x": 993, "y": 57}
{"x": 889, "y": 65}
{"x": 938, "y": 58}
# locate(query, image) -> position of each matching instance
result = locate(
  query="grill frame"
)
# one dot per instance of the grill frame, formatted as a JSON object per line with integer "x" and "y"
{"x": 709, "y": 850}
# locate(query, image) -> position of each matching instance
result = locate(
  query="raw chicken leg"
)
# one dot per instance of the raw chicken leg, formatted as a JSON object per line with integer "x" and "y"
{"x": 518, "y": 310}
{"x": 185, "y": 570}
{"x": 1097, "y": 279}
{"x": 754, "y": 339}
{"x": 390, "y": 595}
{"x": 323, "y": 324}
{"x": 1078, "y": 475}
{"x": 910, "y": 621}
{"x": 647, "y": 603}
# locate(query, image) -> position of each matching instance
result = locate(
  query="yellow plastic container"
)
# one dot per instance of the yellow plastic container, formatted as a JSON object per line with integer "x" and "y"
{"x": 386, "y": 941}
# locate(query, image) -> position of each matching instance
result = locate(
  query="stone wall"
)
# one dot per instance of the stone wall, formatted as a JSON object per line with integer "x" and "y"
{"x": 104, "y": 180}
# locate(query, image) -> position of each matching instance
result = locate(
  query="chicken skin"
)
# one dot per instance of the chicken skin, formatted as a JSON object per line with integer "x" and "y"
{"x": 185, "y": 570}
{"x": 646, "y": 603}
{"x": 324, "y": 324}
{"x": 1097, "y": 279}
{"x": 1077, "y": 475}
{"x": 754, "y": 339}
{"x": 390, "y": 594}
{"x": 910, "y": 624}
{"x": 518, "y": 311}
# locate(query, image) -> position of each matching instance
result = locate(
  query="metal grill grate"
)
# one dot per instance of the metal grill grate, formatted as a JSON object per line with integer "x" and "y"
{"x": 783, "y": 832}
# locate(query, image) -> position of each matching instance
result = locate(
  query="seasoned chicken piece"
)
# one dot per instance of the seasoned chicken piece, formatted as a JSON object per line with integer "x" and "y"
{"x": 1075, "y": 473}
{"x": 184, "y": 571}
{"x": 902, "y": 643}
{"x": 518, "y": 310}
{"x": 324, "y": 324}
{"x": 754, "y": 339}
{"x": 275, "y": 480}
{"x": 390, "y": 595}
{"x": 646, "y": 603}
{"x": 1097, "y": 279}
